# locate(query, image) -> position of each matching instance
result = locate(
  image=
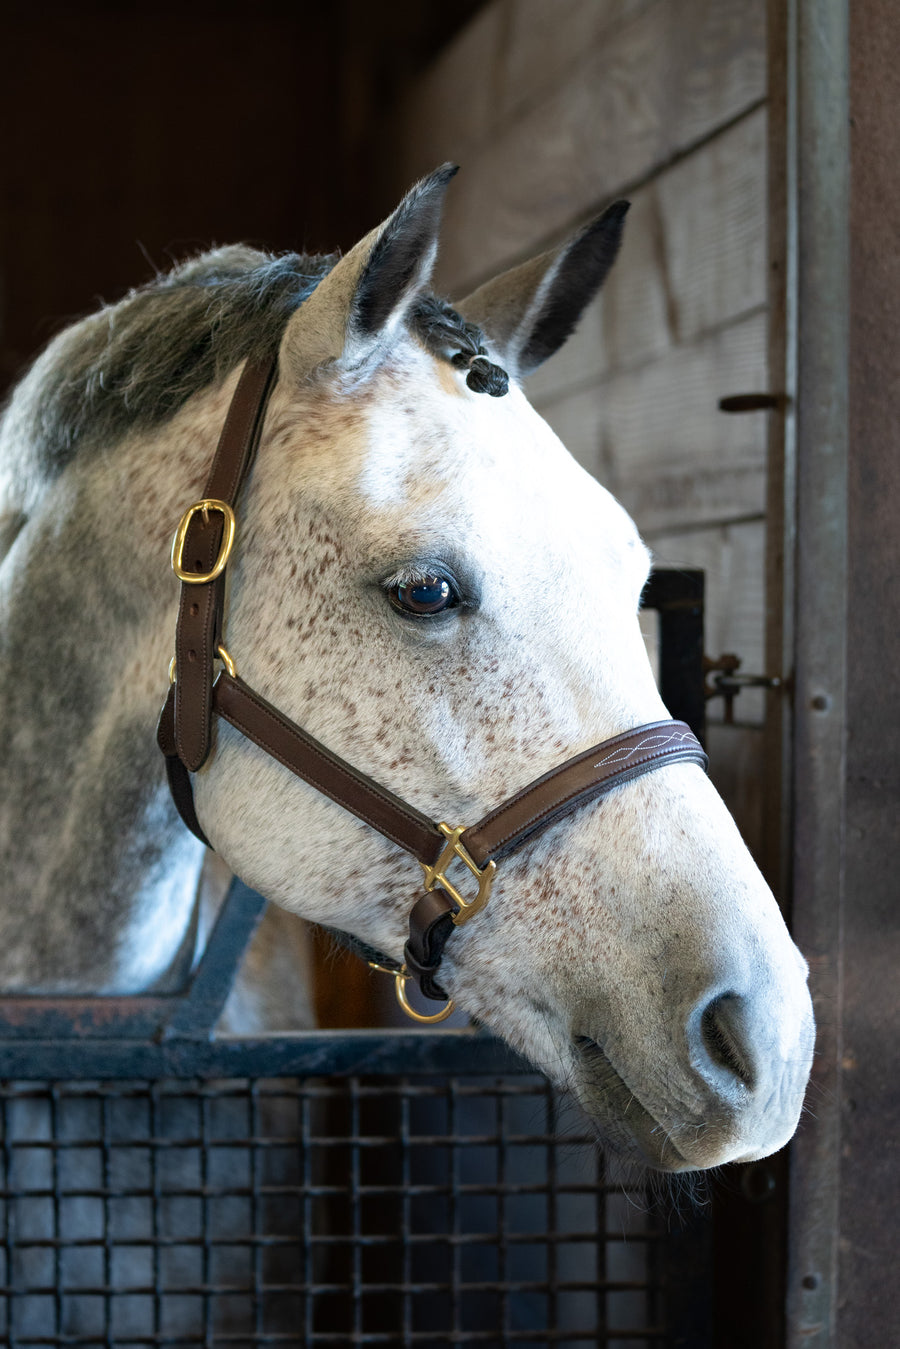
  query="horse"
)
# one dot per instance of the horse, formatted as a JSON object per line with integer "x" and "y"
{"x": 427, "y": 583}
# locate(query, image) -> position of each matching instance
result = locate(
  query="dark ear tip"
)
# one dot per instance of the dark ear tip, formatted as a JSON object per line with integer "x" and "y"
{"x": 443, "y": 173}
{"x": 606, "y": 225}
{"x": 613, "y": 214}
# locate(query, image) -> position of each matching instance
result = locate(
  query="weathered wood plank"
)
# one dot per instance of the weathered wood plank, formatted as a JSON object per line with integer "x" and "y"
{"x": 512, "y": 54}
{"x": 654, "y": 436}
{"x": 737, "y": 768}
{"x": 544, "y": 42}
{"x": 667, "y": 78}
{"x": 693, "y": 259}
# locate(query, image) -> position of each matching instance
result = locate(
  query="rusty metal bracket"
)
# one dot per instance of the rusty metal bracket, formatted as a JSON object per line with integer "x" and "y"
{"x": 722, "y": 680}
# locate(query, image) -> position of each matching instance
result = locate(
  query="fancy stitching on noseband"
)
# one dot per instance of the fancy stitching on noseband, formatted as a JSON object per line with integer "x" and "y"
{"x": 201, "y": 550}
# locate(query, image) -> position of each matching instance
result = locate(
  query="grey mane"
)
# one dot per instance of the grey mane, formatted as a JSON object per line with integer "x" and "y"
{"x": 133, "y": 364}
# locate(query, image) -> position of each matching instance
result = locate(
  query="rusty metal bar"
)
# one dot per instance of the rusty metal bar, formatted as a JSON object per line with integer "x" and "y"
{"x": 817, "y": 172}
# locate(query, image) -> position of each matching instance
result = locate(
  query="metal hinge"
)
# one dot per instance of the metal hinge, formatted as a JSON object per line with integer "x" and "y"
{"x": 721, "y": 680}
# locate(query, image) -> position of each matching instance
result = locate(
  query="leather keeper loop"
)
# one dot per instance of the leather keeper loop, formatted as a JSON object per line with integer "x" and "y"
{"x": 430, "y": 927}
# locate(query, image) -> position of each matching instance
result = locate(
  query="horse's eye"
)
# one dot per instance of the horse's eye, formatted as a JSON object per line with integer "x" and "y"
{"x": 430, "y": 595}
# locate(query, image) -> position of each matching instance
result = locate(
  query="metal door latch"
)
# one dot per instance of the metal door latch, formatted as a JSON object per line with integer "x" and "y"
{"x": 722, "y": 680}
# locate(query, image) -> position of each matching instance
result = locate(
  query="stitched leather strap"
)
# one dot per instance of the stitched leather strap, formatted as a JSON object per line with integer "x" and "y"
{"x": 549, "y": 798}
{"x": 198, "y": 631}
{"x": 579, "y": 780}
{"x": 287, "y": 742}
{"x": 178, "y": 777}
{"x": 582, "y": 779}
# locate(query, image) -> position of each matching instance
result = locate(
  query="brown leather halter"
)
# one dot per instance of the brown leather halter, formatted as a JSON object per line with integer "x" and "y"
{"x": 200, "y": 552}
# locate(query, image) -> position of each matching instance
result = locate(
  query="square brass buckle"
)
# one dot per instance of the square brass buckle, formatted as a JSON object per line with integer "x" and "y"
{"x": 436, "y": 875}
{"x": 204, "y": 507}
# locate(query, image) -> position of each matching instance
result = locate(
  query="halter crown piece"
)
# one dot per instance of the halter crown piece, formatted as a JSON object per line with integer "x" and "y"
{"x": 200, "y": 553}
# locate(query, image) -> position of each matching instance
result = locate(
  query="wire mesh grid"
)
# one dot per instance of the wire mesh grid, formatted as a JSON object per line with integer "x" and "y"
{"x": 354, "y": 1211}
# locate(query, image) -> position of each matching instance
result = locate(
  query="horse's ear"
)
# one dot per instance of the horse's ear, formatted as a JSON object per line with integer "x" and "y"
{"x": 528, "y": 312}
{"x": 352, "y": 315}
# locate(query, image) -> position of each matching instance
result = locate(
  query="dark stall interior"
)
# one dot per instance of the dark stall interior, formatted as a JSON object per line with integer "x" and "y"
{"x": 135, "y": 134}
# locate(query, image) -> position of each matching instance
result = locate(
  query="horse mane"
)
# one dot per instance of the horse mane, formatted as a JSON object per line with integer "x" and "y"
{"x": 134, "y": 363}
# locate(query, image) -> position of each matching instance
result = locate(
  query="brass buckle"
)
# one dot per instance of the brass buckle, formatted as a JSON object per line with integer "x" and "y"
{"x": 436, "y": 875}
{"x": 204, "y": 507}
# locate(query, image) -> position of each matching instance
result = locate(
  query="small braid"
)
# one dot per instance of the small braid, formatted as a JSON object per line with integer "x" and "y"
{"x": 483, "y": 376}
{"x": 446, "y": 333}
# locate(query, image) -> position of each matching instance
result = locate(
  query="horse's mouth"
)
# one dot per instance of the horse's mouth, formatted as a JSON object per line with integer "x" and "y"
{"x": 627, "y": 1124}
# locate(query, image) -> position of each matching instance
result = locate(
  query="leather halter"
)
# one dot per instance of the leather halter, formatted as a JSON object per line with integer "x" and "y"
{"x": 200, "y": 554}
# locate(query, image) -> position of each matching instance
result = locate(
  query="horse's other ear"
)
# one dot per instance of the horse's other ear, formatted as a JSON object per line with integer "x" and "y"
{"x": 352, "y": 315}
{"x": 528, "y": 312}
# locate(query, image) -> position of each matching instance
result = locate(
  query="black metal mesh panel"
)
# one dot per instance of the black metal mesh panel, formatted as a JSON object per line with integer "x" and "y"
{"x": 393, "y": 1211}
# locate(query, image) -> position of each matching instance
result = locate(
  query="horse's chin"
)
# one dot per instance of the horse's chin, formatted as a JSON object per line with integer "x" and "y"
{"x": 629, "y": 1129}
{"x": 622, "y": 1121}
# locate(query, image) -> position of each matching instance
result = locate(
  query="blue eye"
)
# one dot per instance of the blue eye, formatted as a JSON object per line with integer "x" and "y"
{"x": 430, "y": 595}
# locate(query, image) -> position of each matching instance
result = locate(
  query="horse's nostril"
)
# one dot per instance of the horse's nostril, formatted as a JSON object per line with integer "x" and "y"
{"x": 722, "y": 1029}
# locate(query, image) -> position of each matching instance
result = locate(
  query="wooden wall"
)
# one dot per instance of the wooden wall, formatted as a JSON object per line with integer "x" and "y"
{"x": 553, "y": 110}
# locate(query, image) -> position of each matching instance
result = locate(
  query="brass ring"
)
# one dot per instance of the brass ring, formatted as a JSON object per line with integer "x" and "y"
{"x": 383, "y": 969}
{"x": 223, "y": 657}
{"x": 400, "y": 990}
{"x": 226, "y": 660}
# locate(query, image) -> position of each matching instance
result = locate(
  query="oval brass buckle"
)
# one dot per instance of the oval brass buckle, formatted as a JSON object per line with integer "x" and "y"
{"x": 208, "y": 504}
